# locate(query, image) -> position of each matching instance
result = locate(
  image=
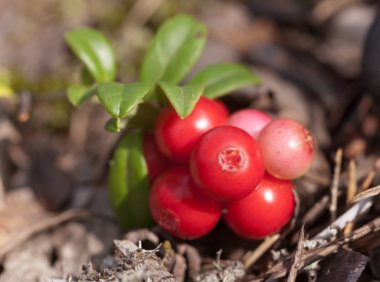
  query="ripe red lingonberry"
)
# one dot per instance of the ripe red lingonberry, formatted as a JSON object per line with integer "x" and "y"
{"x": 177, "y": 137}
{"x": 155, "y": 160}
{"x": 287, "y": 148}
{"x": 263, "y": 212}
{"x": 178, "y": 206}
{"x": 251, "y": 121}
{"x": 226, "y": 163}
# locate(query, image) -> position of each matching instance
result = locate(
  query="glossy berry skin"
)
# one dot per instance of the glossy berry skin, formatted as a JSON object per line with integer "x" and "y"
{"x": 226, "y": 163}
{"x": 287, "y": 148}
{"x": 251, "y": 121}
{"x": 177, "y": 137}
{"x": 263, "y": 212}
{"x": 155, "y": 160}
{"x": 180, "y": 208}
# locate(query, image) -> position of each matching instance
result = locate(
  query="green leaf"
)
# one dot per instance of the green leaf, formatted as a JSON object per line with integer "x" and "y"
{"x": 128, "y": 183}
{"x": 119, "y": 98}
{"x": 79, "y": 93}
{"x": 95, "y": 51}
{"x": 173, "y": 51}
{"x": 182, "y": 98}
{"x": 221, "y": 79}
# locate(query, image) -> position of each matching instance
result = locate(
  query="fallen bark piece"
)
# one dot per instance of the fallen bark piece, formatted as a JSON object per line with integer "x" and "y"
{"x": 344, "y": 266}
{"x": 132, "y": 263}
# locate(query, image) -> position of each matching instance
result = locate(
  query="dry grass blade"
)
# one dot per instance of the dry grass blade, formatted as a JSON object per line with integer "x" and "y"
{"x": 316, "y": 210}
{"x": 335, "y": 183}
{"x": 371, "y": 175}
{"x": 297, "y": 256}
{"x": 260, "y": 250}
{"x": 372, "y": 192}
{"x": 352, "y": 181}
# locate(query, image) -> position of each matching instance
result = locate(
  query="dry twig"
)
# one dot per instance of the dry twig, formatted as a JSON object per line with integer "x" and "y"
{"x": 335, "y": 183}
{"x": 297, "y": 256}
{"x": 372, "y": 192}
{"x": 351, "y": 192}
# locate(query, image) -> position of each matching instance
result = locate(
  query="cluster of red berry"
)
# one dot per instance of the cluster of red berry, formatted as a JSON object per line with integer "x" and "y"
{"x": 210, "y": 161}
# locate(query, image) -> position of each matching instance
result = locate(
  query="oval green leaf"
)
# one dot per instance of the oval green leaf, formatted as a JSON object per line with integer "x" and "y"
{"x": 173, "y": 51}
{"x": 77, "y": 94}
{"x": 95, "y": 51}
{"x": 128, "y": 183}
{"x": 119, "y": 99}
{"x": 221, "y": 79}
{"x": 182, "y": 98}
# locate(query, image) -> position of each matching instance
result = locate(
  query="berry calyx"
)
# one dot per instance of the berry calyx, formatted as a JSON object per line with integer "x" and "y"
{"x": 176, "y": 137}
{"x": 251, "y": 121}
{"x": 180, "y": 208}
{"x": 263, "y": 212}
{"x": 287, "y": 148}
{"x": 226, "y": 163}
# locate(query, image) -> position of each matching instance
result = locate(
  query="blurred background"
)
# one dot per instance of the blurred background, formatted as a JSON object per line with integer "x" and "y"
{"x": 319, "y": 62}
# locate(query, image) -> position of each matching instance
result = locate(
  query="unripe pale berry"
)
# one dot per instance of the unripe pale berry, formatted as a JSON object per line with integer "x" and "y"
{"x": 287, "y": 148}
{"x": 251, "y": 121}
{"x": 263, "y": 212}
{"x": 178, "y": 206}
{"x": 226, "y": 163}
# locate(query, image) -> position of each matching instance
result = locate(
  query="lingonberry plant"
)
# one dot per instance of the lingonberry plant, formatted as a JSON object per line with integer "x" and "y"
{"x": 181, "y": 157}
{"x": 134, "y": 107}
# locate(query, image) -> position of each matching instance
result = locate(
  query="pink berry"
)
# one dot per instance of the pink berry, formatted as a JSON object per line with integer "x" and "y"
{"x": 287, "y": 148}
{"x": 251, "y": 121}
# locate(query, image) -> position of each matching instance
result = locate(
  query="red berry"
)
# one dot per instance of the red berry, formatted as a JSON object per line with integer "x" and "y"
{"x": 251, "y": 121}
{"x": 155, "y": 160}
{"x": 263, "y": 212}
{"x": 180, "y": 208}
{"x": 177, "y": 137}
{"x": 226, "y": 163}
{"x": 287, "y": 148}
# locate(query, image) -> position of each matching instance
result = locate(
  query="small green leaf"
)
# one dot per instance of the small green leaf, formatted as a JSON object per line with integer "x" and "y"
{"x": 78, "y": 94}
{"x": 119, "y": 99}
{"x": 173, "y": 51}
{"x": 183, "y": 98}
{"x": 221, "y": 79}
{"x": 128, "y": 183}
{"x": 95, "y": 51}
